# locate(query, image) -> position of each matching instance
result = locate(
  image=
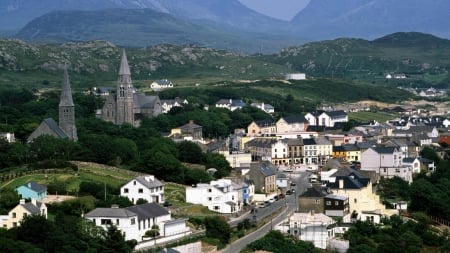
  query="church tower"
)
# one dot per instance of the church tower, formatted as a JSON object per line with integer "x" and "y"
{"x": 125, "y": 106}
{"x": 67, "y": 109}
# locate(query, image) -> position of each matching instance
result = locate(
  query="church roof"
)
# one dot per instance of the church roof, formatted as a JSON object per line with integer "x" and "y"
{"x": 51, "y": 123}
{"x": 143, "y": 101}
{"x": 124, "y": 68}
{"x": 66, "y": 92}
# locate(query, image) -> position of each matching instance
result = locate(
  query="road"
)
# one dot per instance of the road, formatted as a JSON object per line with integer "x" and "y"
{"x": 288, "y": 205}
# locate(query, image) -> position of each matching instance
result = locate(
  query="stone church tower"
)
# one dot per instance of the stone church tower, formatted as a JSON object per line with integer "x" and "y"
{"x": 67, "y": 109}
{"x": 125, "y": 105}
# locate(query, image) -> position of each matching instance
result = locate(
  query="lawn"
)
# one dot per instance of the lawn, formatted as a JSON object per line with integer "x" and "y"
{"x": 369, "y": 116}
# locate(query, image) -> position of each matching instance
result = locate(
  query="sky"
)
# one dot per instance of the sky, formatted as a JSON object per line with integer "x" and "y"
{"x": 280, "y": 9}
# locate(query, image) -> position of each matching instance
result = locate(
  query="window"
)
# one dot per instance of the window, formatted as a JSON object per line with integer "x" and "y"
{"x": 14, "y": 215}
{"x": 141, "y": 190}
{"x": 125, "y": 190}
{"x": 328, "y": 203}
{"x": 134, "y": 182}
{"x": 317, "y": 201}
{"x": 133, "y": 221}
{"x": 24, "y": 215}
{"x": 117, "y": 221}
{"x": 209, "y": 190}
{"x": 336, "y": 203}
{"x": 14, "y": 224}
{"x": 105, "y": 222}
{"x": 209, "y": 199}
{"x": 355, "y": 200}
{"x": 216, "y": 208}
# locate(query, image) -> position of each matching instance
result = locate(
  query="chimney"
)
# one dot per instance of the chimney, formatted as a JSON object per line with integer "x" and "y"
{"x": 22, "y": 201}
{"x": 34, "y": 202}
{"x": 29, "y": 184}
{"x": 191, "y": 121}
{"x": 150, "y": 178}
{"x": 341, "y": 184}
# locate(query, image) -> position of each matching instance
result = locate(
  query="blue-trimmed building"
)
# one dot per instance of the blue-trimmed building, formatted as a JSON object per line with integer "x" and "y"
{"x": 32, "y": 190}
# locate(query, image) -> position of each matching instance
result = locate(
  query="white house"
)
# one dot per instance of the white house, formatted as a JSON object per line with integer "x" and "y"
{"x": 379, "y": 157}
{"x": 168, "y": 104}
{"x": 295, "y": 76}
{"x": 22, "y": 210}
{"x": 230, "y": 104}
{"x": 412, "y": 162}
{"x": 330, "y": 118}
{"x": 134, "y": 221}
{"x": 264, "y": 107}
{"x": 161, "y": 84}
{"x": 222, "y": 196}
{"x": 291, "y": 124}
{"x": 312, "y": 227}
{"x": 144, "y": 187}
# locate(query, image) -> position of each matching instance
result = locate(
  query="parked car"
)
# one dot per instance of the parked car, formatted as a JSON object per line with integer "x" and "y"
{"x": 281, "y": 196}
{"x": 167, "y": 204}
{"x": 288, "y": 192}
{"x": 267, "y": 203}
{"x": 293, "y": 184}
{"x": 293, "y": 190}
{"x": 311, "y": 169}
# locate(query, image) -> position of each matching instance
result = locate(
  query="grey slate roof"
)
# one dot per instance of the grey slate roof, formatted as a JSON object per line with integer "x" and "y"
{"x": 30, "y": 207}
{"x": 384, "y": 150}
{"x": 309, "y": 141}
{"x": 148, "y": 211}
{"x": 267, "y": 170}
{"x": 265, "y": 122}
{"x": 295, "y": 119}
{"x": 149, "y": 184}
{"x": 314, "y": 192}
{"x": 350, "y": 147}
{"x": 408, "y": 159}
{"x": 338, "y": 197}
{"x": 335, "y": 114}
{"x": 35, "y": 186}
{"x": 143, "y": 101}
{"x": 110, "y": 213}
{"x": 352, "y": 179}
{"x": 55, "y": 128}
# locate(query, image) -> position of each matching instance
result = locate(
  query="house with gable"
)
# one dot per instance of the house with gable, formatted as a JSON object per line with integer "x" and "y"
{"x": 158, "y": 85}
{"x": 386, "y": 162}
{"x": 222, "y": 196}
{"x": 312, "y": 227}
{"x": 168, "y": 104}
{"x": 337, "y": 206}
{"x": 189, "y": 131}
{"x": 312, "y": 200}
{"x": 260, "y": 148}
{"x": 144, "y": 187}
{"x": 230, "y": 104}
{"x": 134, "y": 221}
{"x": 263, "y": 175}
{"x": 412, "y": 162}
{"x": 22, "y": 210}
{"x": 291, "y": 124}
{"x": 262, "y": 127}
{"x": 364, "y": 203}
{"x": 267, "y": 108}
{"x": 32, "y": 190}
{"x": 326, "y": 118}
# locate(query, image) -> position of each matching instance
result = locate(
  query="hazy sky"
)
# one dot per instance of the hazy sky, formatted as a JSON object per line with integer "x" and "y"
{"x": 281, "y": 9}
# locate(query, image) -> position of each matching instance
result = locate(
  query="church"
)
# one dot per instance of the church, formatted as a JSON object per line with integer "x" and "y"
{"x": 66, "y": 127}
{"x": 126, "y": 105}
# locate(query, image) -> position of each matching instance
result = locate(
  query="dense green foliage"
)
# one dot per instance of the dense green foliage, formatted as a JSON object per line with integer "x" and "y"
{"x": 276, "y": 242}
{"x": 218, "y": 228}
{"x": 397, "y": 235}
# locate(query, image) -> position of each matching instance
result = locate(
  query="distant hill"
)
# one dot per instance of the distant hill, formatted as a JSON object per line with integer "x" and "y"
{"x": 329, "y": 19}
{"x": 420, "y": 56}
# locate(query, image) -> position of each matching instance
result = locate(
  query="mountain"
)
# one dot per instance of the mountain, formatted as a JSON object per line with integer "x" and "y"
{"x": 14, "y": 14}
{"x": 144, "y": 27}
{"x": 369, "y": 19}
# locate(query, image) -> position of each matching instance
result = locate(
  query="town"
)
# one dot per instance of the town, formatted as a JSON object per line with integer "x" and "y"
{"x": 303, "y": 175}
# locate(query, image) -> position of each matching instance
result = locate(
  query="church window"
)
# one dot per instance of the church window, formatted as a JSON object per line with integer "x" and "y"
{"x": 122, "y": 92}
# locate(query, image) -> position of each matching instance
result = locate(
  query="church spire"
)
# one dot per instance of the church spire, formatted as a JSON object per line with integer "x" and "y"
{"x": 124, "y": 68}
{"x": 67, "y": 108}
{"x": 66, "y": 92}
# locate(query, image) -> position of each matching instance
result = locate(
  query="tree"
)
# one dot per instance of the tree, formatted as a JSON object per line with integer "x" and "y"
{"x": 37, "y": 230}
{"x": 219, "y": 162}
{"x": 218, "y": 228}
{"x": 190, "y": 152}
{"x": 115, "y": 241}
{"x": 153, "y": 232}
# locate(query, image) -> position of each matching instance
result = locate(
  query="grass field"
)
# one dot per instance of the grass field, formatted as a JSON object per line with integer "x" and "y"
{"x": 368, "y": 116}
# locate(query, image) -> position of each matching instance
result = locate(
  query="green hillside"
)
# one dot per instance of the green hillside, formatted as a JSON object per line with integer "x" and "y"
{"x": 425, "y": 59}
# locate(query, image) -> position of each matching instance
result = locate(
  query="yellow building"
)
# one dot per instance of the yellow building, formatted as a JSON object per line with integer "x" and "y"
{"x": 24, "y": 209}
